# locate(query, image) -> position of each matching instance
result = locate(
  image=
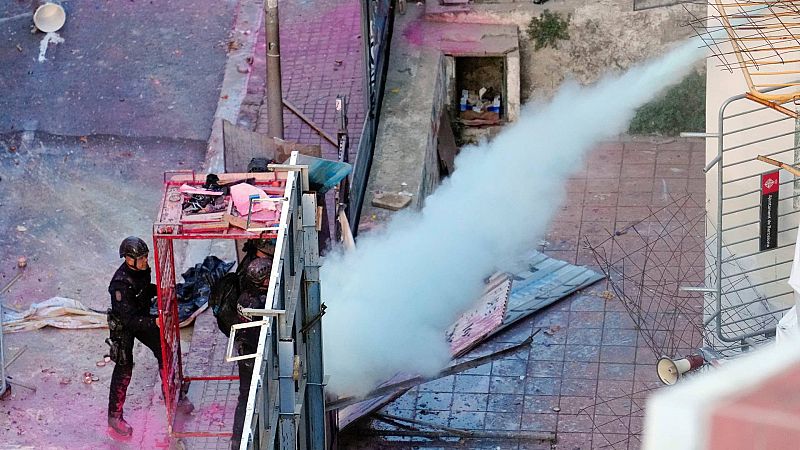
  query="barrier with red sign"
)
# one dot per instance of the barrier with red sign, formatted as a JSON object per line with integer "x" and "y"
{"x": 770, "y": 186}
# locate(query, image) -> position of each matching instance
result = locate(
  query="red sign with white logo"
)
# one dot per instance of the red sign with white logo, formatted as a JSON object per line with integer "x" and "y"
{"x": 770, "y": 185}
{"x": 770, "y": 182}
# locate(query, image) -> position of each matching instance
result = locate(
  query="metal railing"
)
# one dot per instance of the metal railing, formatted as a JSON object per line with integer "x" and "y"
{"x": 751, "y": 287}
{"x": 377, "y": 20}
{"x": 285, "y": 408}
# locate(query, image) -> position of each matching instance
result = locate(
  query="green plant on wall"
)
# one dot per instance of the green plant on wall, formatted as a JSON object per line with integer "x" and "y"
{"x": 548, "y": 29}
{"x": 681, "y": 108}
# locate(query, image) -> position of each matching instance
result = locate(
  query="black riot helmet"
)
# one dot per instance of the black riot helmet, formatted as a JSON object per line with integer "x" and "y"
{"x": 266, "y": 245}
{"x": 134, "y": 247}
{"x": 258, "y": 271}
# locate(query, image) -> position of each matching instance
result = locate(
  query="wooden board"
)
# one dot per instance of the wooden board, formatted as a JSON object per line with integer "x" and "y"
{"x": 474, "y": 325}
{"x": 240, "y": 146}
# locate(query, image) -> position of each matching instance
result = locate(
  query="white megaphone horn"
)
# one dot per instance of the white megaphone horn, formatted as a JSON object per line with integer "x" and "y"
{"x": 670, "y": 370}
{"x": 49, "y": 17}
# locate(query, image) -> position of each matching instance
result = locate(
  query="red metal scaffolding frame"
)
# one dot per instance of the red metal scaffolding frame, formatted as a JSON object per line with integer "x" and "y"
{"x": 168, "y": 228}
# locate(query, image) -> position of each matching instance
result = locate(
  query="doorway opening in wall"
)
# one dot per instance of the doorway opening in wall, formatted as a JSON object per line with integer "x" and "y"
{"x": 479, "y": 97}
{"x": 480, "y": 90}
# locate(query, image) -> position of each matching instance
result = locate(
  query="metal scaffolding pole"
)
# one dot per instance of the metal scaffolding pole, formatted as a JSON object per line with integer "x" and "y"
{"x": 315, "y": 395}
{"x": 274, "y": 90}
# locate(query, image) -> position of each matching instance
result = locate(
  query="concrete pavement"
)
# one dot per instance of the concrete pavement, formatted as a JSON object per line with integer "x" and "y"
{"x": 134, "y": 68}
{"x": 65, "y": 205}
{"x": 85, "y": 136}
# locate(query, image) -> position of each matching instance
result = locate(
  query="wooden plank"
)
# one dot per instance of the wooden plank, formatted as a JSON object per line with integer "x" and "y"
{"x": 260, "y": 177}
{"x": 205, "y": 227}
{"x": 310, "y": 123}
{"x": 447, "y": 147}
{"x": 478, "y": 322}
{"x": 240, "y": 146}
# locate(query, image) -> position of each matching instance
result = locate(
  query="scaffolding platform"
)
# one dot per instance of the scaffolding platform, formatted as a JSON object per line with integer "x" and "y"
{"x": 285, "y": 405}
{"x": 215, "y": 380}
{"x": 174, "y": 222}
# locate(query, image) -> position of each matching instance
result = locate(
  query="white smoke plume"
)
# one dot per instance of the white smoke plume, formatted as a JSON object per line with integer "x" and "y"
{"x": 390, "y": 300}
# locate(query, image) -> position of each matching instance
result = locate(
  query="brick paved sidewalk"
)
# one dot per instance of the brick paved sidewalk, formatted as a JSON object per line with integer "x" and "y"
{"x": 321, "y": 57}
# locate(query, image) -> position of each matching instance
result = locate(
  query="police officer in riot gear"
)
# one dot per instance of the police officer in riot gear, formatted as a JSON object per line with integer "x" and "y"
{"x": 254, "y": 284}
{"x": 255, "y": 248}
{"x": 128, "y": 318}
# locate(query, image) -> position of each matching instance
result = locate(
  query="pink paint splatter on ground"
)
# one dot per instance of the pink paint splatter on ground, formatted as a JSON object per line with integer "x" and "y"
{"x": 451, "y": 38}
{"x": 414, "y": 33}
{"x": 214, "y": 414}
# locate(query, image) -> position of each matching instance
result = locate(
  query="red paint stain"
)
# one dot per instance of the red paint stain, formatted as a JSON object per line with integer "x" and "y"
{"x": 414, "y": 33}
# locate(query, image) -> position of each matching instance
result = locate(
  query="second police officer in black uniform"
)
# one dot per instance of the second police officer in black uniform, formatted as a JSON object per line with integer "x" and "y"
{"x": 254, "y": 284}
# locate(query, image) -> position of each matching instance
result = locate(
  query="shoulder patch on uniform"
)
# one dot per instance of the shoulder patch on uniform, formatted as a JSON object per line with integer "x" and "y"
{"x": 118, "y": 295}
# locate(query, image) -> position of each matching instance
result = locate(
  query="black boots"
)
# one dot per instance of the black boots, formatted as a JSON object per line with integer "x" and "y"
{"x": 120, "y": 426}
{"x": 184, "y": 405}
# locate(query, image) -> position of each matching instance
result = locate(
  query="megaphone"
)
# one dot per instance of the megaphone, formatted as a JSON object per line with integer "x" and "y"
{"x": 670, "y": 370}
{"x": 49, "y": 17}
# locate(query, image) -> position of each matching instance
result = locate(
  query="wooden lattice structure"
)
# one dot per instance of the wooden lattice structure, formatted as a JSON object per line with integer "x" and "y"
{"x": 762, "y": 39}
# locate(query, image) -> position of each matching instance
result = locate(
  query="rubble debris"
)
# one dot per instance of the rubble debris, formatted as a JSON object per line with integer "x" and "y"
{"x": 552, "y": 330}
{"x": 58, "y": 312}
{"x": 22, "y": 262}
{"x": 477, "y": 110}
{"x": 414, "y": 381}
{"x": 390, "y": 201}
{"x": 473, "y": 434}
{"x": 22, "y": 228}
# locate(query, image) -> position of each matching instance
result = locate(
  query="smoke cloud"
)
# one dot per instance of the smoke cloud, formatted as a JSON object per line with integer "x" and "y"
{"x": 390, "y": 300}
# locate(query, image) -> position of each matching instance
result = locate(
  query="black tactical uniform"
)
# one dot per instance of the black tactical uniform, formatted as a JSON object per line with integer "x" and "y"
{"x": 129, "y": 318}
{"x": 253, "y": 295}
{"x": 251, "y": 249}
